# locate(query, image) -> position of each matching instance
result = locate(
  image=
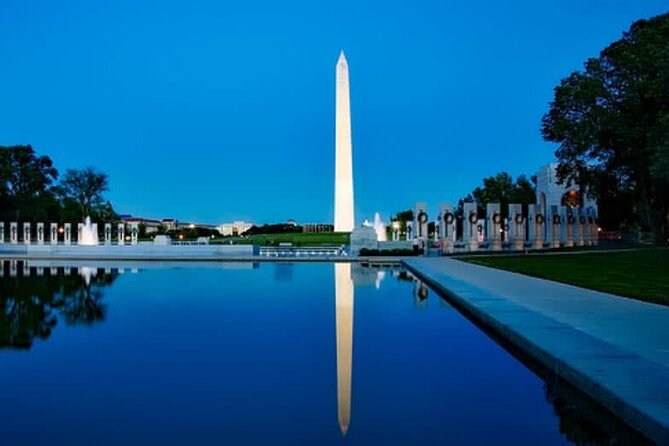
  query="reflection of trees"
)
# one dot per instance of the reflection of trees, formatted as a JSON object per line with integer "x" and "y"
{"x": 584, "y": 424}
{"x": 30, "y": 306}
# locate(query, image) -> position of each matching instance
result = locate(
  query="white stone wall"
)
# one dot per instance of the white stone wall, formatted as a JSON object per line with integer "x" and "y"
{"x": 547, "y": 187}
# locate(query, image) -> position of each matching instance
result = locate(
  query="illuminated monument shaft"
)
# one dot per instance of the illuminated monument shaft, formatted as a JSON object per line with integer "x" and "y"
{"x": 344, "y": 322}
{"x": 343, "y": 219}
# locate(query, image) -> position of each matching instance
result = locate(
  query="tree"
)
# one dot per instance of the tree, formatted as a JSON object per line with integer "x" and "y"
{"x": 502, "y": 189}
{"x": 612, "y": 123}
{"x": 86, "y": 187}
{"x": 26, "y": 184}
{"x": 403, "y": 217}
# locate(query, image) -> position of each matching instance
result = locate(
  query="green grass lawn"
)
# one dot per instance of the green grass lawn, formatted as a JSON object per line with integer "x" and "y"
{"x": 641, "y": 274}
{"x": 297, "y": 239}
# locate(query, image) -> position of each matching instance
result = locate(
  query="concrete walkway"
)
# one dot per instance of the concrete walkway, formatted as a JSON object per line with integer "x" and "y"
{"x": 614, "y": 349}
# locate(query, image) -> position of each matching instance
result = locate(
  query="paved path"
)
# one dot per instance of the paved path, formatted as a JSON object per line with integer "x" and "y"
{"x": 613, "y": 348}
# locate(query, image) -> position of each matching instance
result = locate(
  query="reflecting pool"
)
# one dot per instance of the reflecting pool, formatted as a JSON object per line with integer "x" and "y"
{"x": 269, "y": 353}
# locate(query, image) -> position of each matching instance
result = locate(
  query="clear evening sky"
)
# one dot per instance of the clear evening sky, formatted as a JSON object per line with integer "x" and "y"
{"x": 214, "y": 111}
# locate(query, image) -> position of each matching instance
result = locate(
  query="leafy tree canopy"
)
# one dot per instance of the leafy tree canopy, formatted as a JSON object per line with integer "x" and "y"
{"x": 85, "y": 186}
{"x": 612, "y": 123}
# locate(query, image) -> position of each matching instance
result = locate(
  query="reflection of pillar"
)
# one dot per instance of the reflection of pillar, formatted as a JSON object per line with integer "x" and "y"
{"x": 344, "y": 321}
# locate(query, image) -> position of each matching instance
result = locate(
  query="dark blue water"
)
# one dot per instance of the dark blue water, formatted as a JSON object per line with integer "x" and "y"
{"x": 249, "y": 354}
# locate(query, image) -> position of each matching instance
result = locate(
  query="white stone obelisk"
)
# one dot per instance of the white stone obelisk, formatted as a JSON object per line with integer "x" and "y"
{"x": 343, "y": 208}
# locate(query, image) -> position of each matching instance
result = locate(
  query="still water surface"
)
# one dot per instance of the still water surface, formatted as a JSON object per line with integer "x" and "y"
{"x": 272, "y": 353}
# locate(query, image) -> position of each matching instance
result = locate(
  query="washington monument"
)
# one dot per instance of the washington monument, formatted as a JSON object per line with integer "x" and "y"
{"x": 343, "y": 206}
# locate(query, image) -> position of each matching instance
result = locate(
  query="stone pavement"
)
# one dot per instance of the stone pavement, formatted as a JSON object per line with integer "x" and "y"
{"x": 614, "y": 349}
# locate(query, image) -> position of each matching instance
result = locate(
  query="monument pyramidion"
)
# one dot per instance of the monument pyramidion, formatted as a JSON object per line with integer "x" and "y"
{"x": 343, "y": 205}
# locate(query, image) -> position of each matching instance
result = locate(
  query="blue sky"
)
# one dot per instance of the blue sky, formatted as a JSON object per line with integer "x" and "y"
{"x": 213, "y": 111}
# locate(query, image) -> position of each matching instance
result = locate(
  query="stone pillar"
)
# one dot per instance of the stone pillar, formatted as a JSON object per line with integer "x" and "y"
{"x": 395, "y": 226}
{"x": 53, "y": 271}
{"x": 13, "y": 233}
{"x": 2, "y": 232}
{"x": 121, "y": 234}
{"x": 26, "y": 233}
{"x": 469, "y": 223}
{"x": 581, "y": 227}
{"x": 67, "y": 238}
{"x": 447, "y": 228}
{"x": 13, "y": 266}
{"x": 40, "y": 233}
{"x": 94, "y": 229}
{"x": 556, "y": 223}
{"x": 570, "y": 220}
{"x": 53, "y": 229}
{"x": 80, "y": 227}
{"x": 108, "y": 233}
{"x": 493, "y": 226}
{"x": 592, "y": 226}
{"x": 40, "y": 269}
{"x": 26, "y": 269}
{"x": 420, "y": 221}
{"x": 409, "y": 235}
{"x": 539, "y": 218}
{"x": 517, "y": 226}
{"x": 134, "y": 233}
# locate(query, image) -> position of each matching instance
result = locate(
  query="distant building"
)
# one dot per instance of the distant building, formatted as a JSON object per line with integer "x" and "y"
{"x": 550, "y": 193}
{"x": 234, "y": 228}
{"x": 169, "y": 223}
{"x": 151, "y": 225}
{"x": 318, "y": 228}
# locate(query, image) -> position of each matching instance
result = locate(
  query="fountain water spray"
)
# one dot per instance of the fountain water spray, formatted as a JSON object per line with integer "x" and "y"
{"x": 88, "y": 236}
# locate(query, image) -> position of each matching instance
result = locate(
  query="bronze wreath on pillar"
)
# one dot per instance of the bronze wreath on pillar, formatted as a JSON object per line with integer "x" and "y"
{"x": 448, "y": 218}
{"x": 473, "y": 218}
{"x": 581, "y": 220}
{"x": 422, "y": 217}
{"x": 496, "y": 218}
{"x": 556, "y": 219}
{"x": 571, "y": 219}
{"x": 519, "y": 219}
{"x": 539, "y": 218}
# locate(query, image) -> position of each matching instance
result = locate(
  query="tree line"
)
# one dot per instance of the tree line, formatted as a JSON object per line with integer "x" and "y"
{"x": 31, "y": 190}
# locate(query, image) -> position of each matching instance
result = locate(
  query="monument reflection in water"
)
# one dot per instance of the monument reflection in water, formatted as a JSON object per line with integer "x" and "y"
{"x": 247, "y": 353}
{"x": 344, "y": 321}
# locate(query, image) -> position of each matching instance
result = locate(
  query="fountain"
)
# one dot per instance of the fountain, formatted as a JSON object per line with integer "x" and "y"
{"x": 88, "y": 235}
{"x": 380, "y": 228}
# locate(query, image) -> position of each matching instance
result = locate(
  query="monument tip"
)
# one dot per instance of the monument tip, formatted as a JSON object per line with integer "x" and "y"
{"x": 342, "y": 56}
